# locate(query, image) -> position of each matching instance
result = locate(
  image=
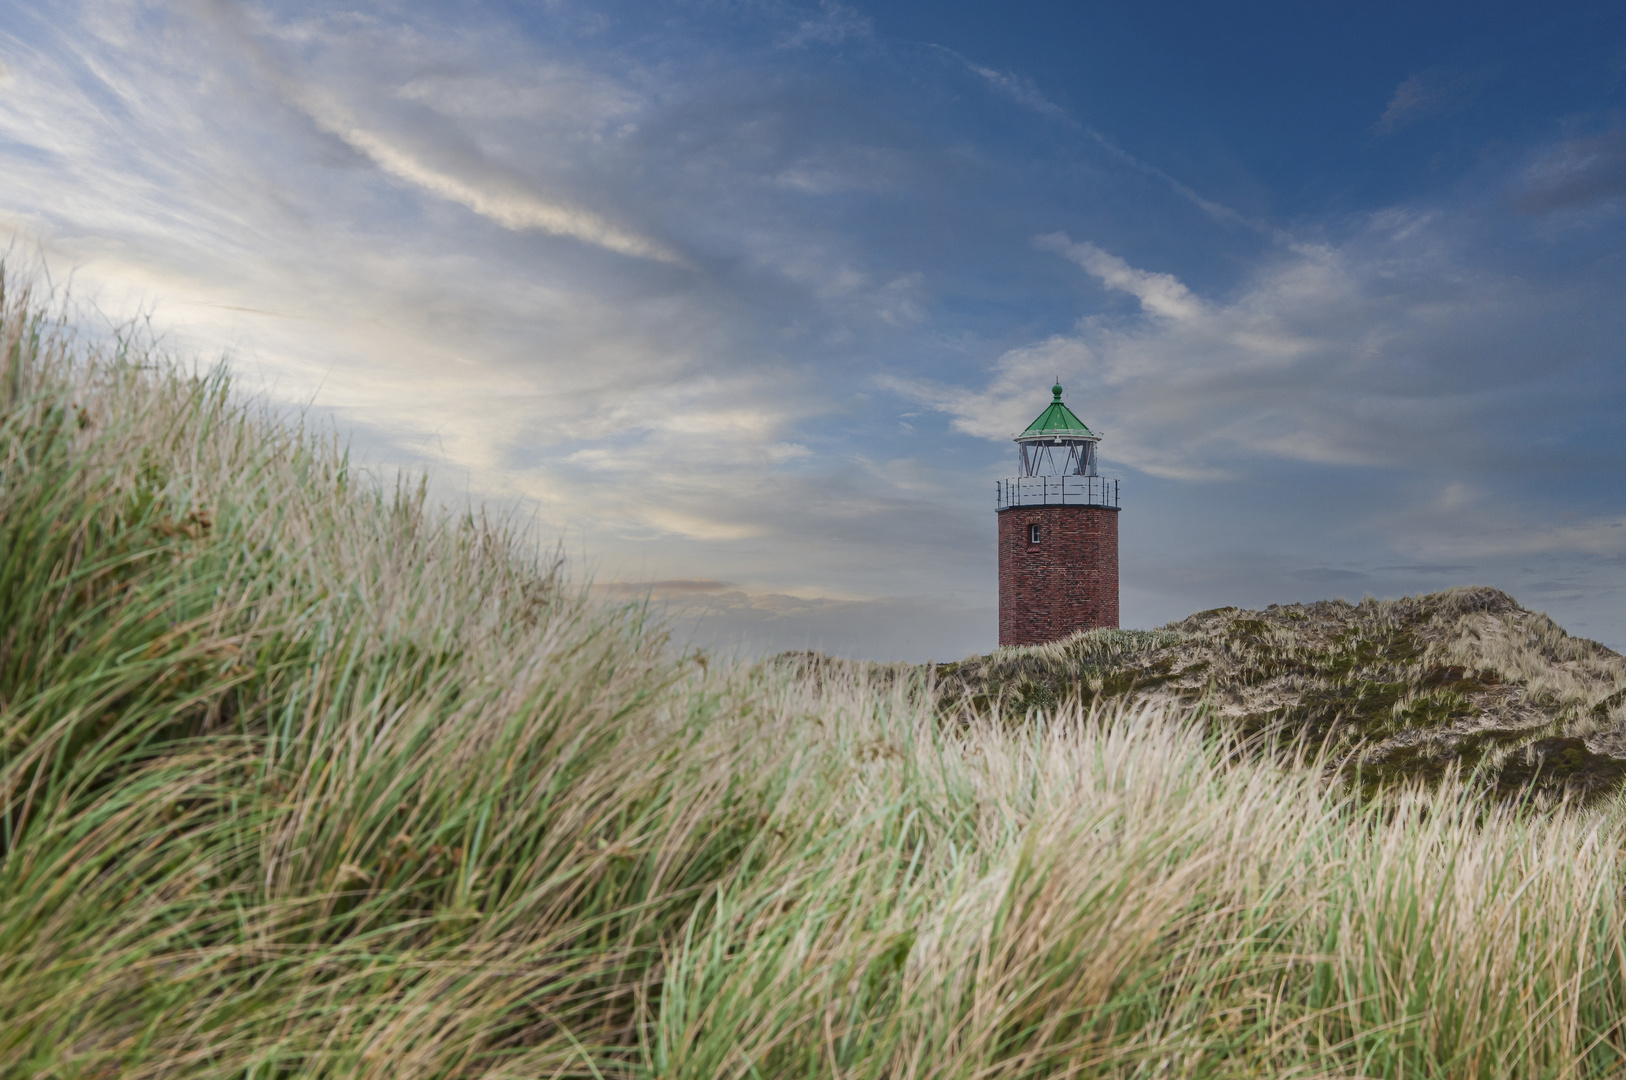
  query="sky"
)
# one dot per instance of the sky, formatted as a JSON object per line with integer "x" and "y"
{"x": 739, "y": 303}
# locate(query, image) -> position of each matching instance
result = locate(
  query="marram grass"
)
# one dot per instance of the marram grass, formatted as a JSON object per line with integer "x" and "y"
{"x": 301, "y": 779}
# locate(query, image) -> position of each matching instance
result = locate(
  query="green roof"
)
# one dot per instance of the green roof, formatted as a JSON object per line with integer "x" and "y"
{"x": 1058, "y": 420}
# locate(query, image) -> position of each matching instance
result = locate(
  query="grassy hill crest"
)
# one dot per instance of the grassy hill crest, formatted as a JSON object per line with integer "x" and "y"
{"x": 1463, "y": 683}
{"x": 1464, "y": 679}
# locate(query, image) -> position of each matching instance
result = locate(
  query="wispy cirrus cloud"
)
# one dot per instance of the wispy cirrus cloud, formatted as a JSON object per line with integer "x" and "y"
{"x": 834, "y": 23}
{"x": 1159, "y": 294}
{"x": 552, "y": 96}
{"x": 1438, "y": 91}
{"x": 450, "y": 168}
{"x": 503, "y": 199}
{"x": 1382, "y": 352}
{"x": 1018, "y": 88}
{"x": 1025, "y": 92}
{"x": 1577, "y": 173}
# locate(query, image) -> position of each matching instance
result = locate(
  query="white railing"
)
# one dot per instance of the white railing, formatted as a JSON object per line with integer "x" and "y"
{"x": 1056, "y": 491}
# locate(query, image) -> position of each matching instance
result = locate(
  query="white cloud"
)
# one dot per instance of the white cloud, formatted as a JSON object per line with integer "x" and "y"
{"x": 1435, "y": 92}
{"x": 845, "y": 168}
{"x": 507, "y": 204}
{"x": 497, "y": 194}
{"x": 1017, "y": 88}
{"x": 550, "y": 94}
{"x": 1577, "y": 173}
{"x": 901, "y": 301}
{"x": 835, "y": 23}
{"x": 1159, "y": 294}
{"x": 1380, "y": 353}
{"x": 1020, "y": 89}
{"x": 246, "y": 234}
{"x": 1025, "y": 92}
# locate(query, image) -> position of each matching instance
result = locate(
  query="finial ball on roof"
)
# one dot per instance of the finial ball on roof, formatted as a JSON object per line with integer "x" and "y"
{"x": 1057, "y": 391}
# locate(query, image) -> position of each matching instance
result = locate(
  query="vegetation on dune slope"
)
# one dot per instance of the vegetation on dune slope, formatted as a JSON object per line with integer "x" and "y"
{"x": 1458, "y": 682}
{"x": 298, "y": 779}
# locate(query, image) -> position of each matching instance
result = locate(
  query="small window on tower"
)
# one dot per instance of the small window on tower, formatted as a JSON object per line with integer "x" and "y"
{"x": 1033, "y": 534}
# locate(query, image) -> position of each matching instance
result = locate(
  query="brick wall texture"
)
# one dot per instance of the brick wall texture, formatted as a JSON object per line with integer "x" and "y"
{"x": 1067, "y": 581}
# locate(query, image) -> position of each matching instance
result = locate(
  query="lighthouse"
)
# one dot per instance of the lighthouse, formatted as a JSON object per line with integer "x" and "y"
{"x": 1058, "y": 534}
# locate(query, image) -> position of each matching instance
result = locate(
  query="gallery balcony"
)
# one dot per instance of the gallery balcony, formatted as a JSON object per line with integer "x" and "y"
{"x": 1057, "y": 491}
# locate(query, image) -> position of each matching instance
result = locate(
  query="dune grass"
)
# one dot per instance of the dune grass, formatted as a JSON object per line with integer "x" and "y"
{"x": 300, "y": 778}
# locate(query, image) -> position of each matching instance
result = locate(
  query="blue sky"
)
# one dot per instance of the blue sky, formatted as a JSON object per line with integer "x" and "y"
{"x": 740, "y": 302}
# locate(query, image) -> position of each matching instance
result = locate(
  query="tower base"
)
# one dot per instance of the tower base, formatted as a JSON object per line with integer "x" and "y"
{"x": 1063, "y": 582}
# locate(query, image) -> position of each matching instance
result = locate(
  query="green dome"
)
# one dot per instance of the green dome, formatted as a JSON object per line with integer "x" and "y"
{"x": 1058, "y": 421}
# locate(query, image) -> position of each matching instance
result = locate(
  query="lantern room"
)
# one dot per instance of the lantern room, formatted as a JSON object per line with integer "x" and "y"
{"x": 1058, "y": 463}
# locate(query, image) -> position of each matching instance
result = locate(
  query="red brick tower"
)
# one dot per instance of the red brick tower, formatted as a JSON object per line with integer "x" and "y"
{"x": 1058, "y": 534}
